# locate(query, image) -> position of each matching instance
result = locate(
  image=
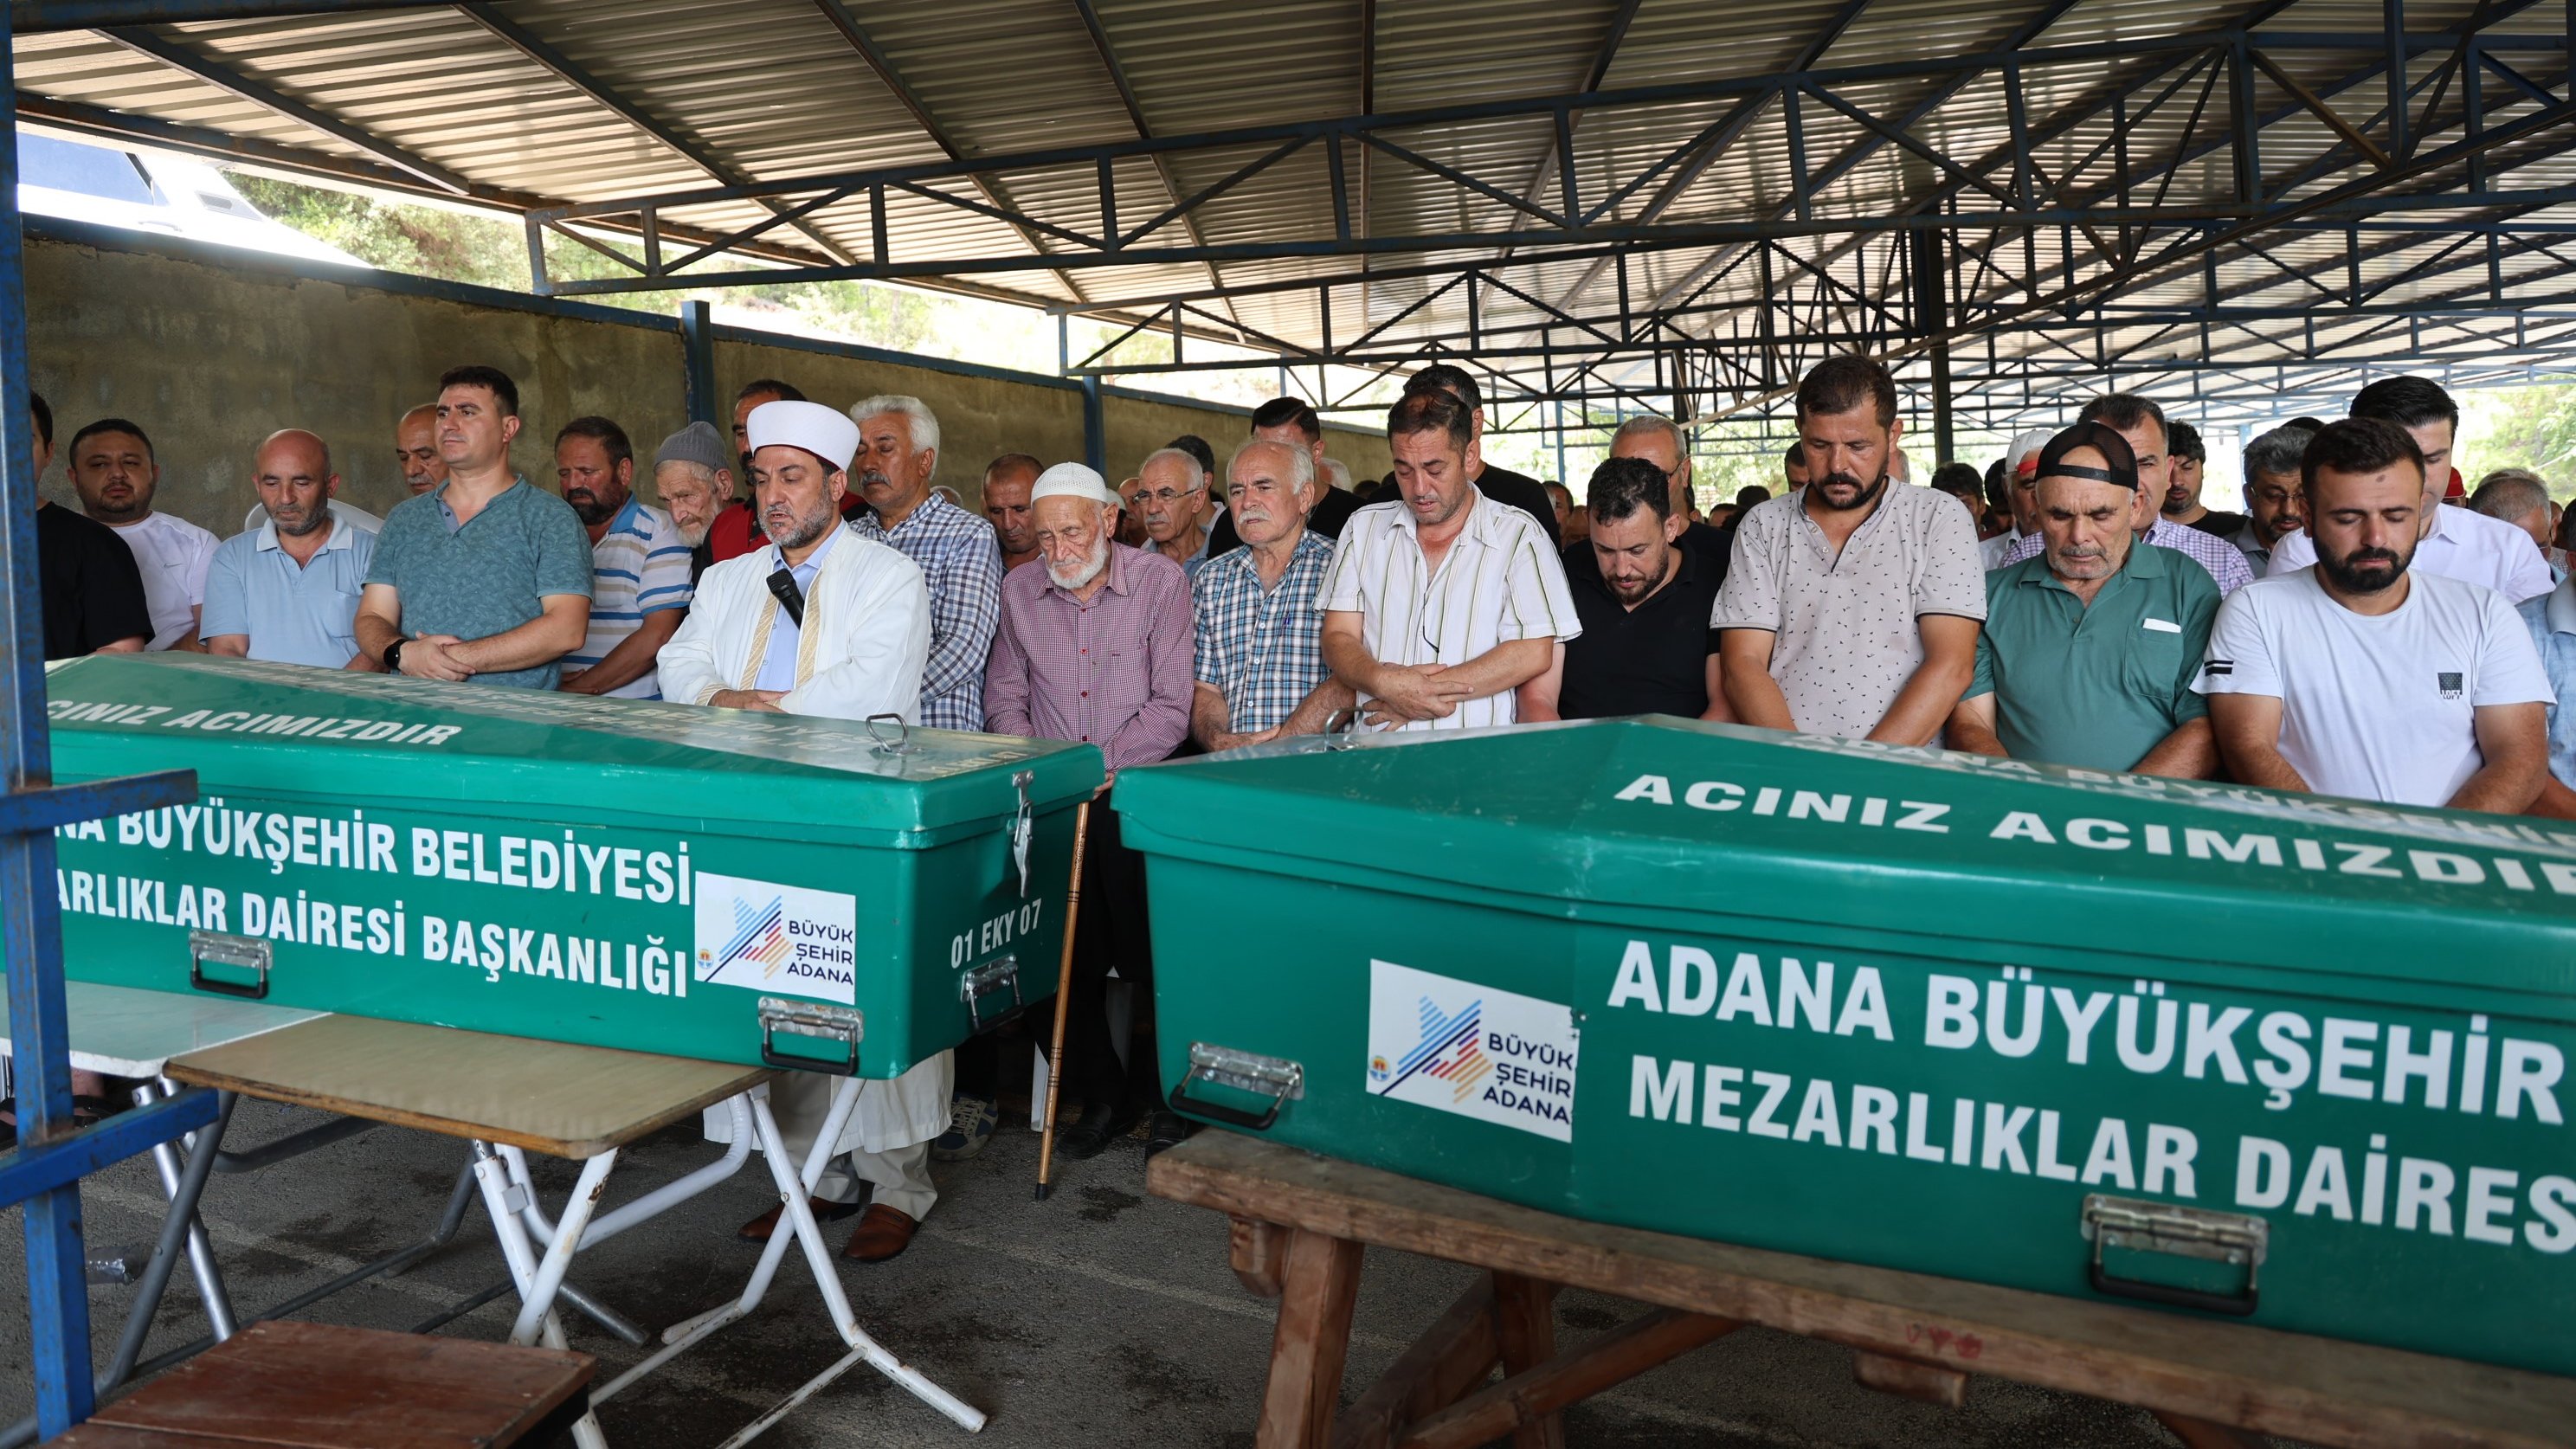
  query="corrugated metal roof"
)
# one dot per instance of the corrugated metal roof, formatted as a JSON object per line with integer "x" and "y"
{"x": 578, "y": 101}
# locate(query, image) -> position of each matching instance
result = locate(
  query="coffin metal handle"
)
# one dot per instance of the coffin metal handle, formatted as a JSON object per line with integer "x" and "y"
{"x": 1023, "y": 826}
{"x": 843, "y": 1024}
{"x": 987, "y": 980}
{"x": 898, "y": 743}
{"x": 248, "y": 952}
{"x": 1277, "y": 1078}
{"x": 2185, "y": 1232}
{"x": 1342, "y": 728}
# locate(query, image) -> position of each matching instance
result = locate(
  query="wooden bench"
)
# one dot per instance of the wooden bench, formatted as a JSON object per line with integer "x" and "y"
{"x": 1300, "y": 1222}
{"x": 321, "y": 1386}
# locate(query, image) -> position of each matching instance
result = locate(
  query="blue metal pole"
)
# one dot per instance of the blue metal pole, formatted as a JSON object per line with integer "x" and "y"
{"x": 30, "y": 930}
{"x": 698, "y": 344}
{"x": 1095, "y": 428}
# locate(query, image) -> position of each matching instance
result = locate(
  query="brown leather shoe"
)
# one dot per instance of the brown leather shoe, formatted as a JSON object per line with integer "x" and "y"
{"x": 882, "y": 1234}
{"x": 759, "y": 1228}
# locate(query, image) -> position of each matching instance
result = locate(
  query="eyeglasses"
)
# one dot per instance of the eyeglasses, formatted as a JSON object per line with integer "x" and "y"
{"x": 1166, "y": 496}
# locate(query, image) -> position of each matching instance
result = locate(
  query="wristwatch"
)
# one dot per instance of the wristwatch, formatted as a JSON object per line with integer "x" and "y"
{"x": 393, "y": 655}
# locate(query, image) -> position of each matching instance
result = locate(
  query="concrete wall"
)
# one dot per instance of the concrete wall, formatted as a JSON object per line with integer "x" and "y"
{"x": 210, "y": 350}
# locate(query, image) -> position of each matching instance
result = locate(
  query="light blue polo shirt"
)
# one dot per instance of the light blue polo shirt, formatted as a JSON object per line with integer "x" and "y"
{"x": 294, "y": 613}
{"x": 2552, "y": 618}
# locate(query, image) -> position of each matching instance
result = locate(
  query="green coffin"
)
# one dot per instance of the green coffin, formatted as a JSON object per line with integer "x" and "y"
{"x": 659, "y": 877}
{"x": 2285, "y": 1058}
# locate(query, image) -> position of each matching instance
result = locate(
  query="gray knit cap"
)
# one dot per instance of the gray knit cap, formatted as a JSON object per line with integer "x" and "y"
{"x": 697, "y": 443}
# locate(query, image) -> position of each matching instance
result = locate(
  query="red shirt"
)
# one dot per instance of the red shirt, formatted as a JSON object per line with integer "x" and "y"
{"x": 734, "y": 534}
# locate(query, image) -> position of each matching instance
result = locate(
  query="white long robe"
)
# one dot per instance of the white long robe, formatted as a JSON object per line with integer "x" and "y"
{"x": 860, "y": 652}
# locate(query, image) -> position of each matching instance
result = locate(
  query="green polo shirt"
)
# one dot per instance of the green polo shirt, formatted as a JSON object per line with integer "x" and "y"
{"x": 2094, "y": 688}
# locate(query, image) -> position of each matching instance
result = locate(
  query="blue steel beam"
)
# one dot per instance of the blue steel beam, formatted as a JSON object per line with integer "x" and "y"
{"x": 31, "y": 947}
{"x": 43, "y": 1167}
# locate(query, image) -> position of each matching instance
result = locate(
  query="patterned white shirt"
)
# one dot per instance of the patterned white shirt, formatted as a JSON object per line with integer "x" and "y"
{"x": 1262, "y": 648}
{"x": 1498, "y": 582}
{"x": 2224, "y": 560}
{"x": 638, "y": 567}
{"x": 963, "y": 565}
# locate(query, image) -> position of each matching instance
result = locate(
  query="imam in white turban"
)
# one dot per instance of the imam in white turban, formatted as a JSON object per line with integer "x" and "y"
{"x": 827, "y": 433}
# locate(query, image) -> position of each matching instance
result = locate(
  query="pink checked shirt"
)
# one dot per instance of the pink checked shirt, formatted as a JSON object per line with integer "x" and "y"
{"x": 1114, "y": 672}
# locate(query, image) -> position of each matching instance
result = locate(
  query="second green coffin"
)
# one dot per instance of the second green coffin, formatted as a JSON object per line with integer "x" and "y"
{"x": 2295, "y": 1060}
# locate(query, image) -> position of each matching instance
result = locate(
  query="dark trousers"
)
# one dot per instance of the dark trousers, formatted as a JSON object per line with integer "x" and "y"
{"x": 1110, "y": 932}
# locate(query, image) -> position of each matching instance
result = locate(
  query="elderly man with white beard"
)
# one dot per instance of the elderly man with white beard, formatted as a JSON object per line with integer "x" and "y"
{"x": 693, "y": 473}
{"x": 1096, "y": 645}
{"x": 822, "y": 622}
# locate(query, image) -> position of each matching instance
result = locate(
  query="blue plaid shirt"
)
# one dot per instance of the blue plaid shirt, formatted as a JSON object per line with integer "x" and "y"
{"x": 1262, "y": 649}
{"x": 963, "y": 567}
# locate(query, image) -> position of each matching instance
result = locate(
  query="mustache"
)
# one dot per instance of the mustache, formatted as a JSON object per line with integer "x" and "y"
{"x": 870, "y": 475}
{"x": 2363, "y": 555}
{"x": 1847, "y": 480}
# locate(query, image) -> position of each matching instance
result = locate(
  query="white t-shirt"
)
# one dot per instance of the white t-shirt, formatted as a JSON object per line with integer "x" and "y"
{"x": 2470, "y": 547}
{"x": 2376, "y": 708}
{"x": 173, "y": 554}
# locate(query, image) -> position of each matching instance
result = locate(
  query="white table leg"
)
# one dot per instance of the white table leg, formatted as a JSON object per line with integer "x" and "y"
{"x": 827, "y": 1277}
{"x": 795, "y": 1186}
{"x": 536, "y": 1308}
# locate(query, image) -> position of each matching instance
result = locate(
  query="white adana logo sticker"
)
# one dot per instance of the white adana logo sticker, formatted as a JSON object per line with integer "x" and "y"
{"x": 1455, "y": 1046}
{"x": 768, "y": 937}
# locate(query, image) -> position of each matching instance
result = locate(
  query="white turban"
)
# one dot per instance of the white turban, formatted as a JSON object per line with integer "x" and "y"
{"x": 827, "y": 433}
{"x": 1072, "y": 480}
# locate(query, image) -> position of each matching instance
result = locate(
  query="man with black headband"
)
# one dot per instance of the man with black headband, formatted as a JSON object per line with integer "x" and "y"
{"x": 2089, "y": 649}
{"x": 1850, "y": 607}
{"x": 2141, "y": 424}
{"x": 2364, "y": 677}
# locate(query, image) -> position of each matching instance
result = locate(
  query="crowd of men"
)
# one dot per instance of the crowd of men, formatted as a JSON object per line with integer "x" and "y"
{"x": 2077, "y": 604}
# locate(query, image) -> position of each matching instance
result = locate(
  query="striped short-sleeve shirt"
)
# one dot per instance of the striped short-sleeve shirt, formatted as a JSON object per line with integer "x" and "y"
{"x": 1499, "y": 581}
{"x": 639, "y": 566}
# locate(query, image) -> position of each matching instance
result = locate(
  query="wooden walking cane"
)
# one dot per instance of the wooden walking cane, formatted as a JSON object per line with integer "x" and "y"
{"x": 1063, "y": 1003}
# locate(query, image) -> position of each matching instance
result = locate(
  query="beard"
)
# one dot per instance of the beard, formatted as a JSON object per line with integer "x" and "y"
{"x": 694, "y": 537}
{"x": 1631, "y": 593}
{"x": 300, "y": 523}
{"x": 587, "y": 506}
{"x": 1092, "y": 564}
{"x": 791, "y": 530}
{"x": 2349, "y": 575}
{"x": 1863, "y": 499}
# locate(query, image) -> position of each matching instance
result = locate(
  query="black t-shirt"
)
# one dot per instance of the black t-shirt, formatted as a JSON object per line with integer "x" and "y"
{"x": 1524, "y": 493}
{"x": 93, "y": 590}
{"x": 1329, "y": 514}
{"x": 2223, "y": 525}
{"x": 1714, "y": 545}
{"x": 1649, "y": 660}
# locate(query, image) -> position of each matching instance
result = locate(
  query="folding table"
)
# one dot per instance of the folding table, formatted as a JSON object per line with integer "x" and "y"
{"x": 509, "y": 1096}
